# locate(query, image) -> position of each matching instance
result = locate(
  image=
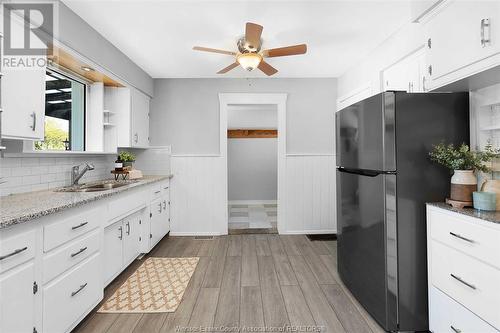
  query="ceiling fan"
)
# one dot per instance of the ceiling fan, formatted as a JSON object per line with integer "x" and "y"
{"x": 250, "y": 55}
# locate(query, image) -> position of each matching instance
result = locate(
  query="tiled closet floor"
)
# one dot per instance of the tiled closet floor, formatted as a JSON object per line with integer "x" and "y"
{"x": 263, "y": 216}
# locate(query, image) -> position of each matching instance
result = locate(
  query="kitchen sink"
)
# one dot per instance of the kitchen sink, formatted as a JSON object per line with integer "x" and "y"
{"x": 96, "y": 187}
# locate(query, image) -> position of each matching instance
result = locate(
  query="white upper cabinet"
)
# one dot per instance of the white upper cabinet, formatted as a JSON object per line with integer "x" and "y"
{"x": 22, "y": 97}
{"x": 23, "y": 104}
{"x": 408, "y": 74}
{"x": 140, "y": 119}
{"x": 131, "y": 109}
{"x": 460, "y": 36}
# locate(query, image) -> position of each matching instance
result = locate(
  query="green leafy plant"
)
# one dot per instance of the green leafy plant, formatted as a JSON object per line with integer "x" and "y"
{"x": 462, "y": 158}
{"x": 126, "y": 156}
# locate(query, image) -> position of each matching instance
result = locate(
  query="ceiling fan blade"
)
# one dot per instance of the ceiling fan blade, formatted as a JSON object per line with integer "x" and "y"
{"x": 252, "y": 34}
{"x": 228, "y": 68}
{"x": 285, "y": 51}
{"x": 267, "y": 69}
{"x": 208, "y": 49}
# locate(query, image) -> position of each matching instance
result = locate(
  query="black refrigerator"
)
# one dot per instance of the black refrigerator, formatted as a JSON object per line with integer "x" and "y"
{"x": 384, "y": 179}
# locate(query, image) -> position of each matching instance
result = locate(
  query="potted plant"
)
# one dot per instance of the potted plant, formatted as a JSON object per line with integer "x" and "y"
{"x": 127, "y": 158}
{"x": 463, "y": 163}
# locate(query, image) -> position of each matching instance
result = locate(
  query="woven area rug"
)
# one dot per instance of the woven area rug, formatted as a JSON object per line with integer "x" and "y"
{"x": 156, "y": 286}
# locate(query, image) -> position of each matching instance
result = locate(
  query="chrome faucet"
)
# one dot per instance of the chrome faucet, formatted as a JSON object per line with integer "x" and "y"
{"x": 76, "y": 174}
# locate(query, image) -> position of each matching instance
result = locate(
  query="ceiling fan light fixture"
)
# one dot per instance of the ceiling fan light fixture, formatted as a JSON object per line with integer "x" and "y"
{"x": 249, "y": 61}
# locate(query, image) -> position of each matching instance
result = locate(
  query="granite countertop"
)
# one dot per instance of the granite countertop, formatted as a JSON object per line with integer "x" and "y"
{"x": 490, "y": 216}
{"x": 24, "y": 207}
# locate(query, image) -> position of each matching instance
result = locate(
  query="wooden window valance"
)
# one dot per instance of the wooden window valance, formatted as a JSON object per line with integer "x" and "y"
{"x": 252, "y": 133}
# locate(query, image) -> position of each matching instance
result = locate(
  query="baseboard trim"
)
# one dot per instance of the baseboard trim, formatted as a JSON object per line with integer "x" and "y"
{"x": 253, "y": 202}
{"x": 308, "y": 232}
{"x": 180, "y": 233}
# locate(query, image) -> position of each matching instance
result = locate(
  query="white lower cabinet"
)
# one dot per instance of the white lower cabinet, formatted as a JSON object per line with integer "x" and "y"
{"x": 132, "y": 238}
{"x": 463, "y": 277}
{"x": 122, "y": 244}
{"x": 53, "y": 271}
{"x": 67, "y": 299}
{"x": 447, "y": 315}
{"x": 113, "y": 250}
{"x": 17, "y": 299}
{"x": 160, "y": 219}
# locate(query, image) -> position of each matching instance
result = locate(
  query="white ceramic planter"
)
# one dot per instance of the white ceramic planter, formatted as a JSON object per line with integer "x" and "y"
{"x": 464, "y": 177}
{"x": 463, "y": 184}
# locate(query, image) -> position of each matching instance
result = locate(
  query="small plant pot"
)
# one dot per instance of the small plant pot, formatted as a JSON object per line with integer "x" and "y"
{"x": 463, "y": 184}
{"x": 485, "y": 201}
{"x": 128, "y": 164}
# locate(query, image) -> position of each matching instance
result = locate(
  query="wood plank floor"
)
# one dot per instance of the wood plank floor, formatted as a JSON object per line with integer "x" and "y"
{"x": 253, "y": 281}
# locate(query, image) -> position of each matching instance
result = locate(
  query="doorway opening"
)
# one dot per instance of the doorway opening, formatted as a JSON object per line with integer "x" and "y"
{"x": 276, "y": 103}
{"x": 252, "y": 164}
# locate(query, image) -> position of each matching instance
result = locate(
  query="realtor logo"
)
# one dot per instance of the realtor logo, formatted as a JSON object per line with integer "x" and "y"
{"x": 28, "y": 28}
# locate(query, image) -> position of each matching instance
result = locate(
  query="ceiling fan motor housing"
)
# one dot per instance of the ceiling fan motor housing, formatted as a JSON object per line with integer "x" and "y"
{"x": 246, "y": 47}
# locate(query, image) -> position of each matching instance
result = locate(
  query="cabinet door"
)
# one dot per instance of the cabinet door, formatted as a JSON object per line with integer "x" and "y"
{"x": 455, "y": 34}
{"x": 17, "y": 301}
{"x": 113, "y": 250}
{"x": 132, "y": 238}
{"x": 23, "y": 103}
{"x": 157, "y": 230}
{"x": 396, "y": 77}
{"x": 140, "y": 119}
{"x": 166, "y": 215}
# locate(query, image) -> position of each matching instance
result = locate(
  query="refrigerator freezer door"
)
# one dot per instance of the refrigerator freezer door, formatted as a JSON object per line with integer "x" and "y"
{"x": 366, "y": 224}
{"x": 365, "y": 134}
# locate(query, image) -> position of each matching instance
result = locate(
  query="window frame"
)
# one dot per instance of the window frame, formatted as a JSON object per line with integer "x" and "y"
{"x": 86, "y": 83}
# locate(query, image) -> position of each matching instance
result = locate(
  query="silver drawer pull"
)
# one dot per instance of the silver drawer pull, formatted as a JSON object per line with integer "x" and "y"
{"x": 165, "y": 188}
{"x": 456, "y": 330}
{"x": 156, "y": 192}
{"x": 13, "y": 253}
{"x": 459, "y": 279}
{"x": 462, "y": 237}
{"x": 79, "y": 226}
{"x": 78, "y": 252}
{"x": 79, "y": 289}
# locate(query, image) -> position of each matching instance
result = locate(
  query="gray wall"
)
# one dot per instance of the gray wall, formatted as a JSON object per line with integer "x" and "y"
{"x": 185, "y": 112}
{"x": 252, "y": 169}
{"x": 81, "y": 37}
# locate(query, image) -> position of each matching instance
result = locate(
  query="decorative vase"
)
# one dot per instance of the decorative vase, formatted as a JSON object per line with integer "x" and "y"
{"x": 463, "y": 184}
{"x": 492, "y": 186}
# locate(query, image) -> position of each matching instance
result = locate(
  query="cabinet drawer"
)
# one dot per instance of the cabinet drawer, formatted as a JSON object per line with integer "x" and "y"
{"x": 445, "y": 315}
{"x": 70, "y": 228}
{"x": 122, "y": 205}
{"x": 72, "y": 295}
{"x": 17, "y": 250}
{"x": 471, "y": 238}
{"x": 69, "y": 255}
{"x": 470, "y": 282}
{"x": 165, "y": 185}
{"x": 156, "y": 191}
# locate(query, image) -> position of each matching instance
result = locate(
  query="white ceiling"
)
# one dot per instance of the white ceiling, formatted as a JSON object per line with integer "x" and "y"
{"x": 159, "y": 35}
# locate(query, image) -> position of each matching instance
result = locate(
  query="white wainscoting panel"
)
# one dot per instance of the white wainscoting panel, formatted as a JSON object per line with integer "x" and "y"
{"x": 198, "y": 196}
{"x": 309, "y": 203}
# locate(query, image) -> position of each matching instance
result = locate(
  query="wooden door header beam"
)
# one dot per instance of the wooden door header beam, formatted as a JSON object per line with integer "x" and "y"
{"x": 251, "y": 133}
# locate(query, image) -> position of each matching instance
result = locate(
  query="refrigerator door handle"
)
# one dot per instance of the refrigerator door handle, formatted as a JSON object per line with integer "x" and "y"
{"x": 368, "y": 173}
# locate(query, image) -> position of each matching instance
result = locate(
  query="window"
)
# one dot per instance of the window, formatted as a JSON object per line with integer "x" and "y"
{"x": 64, "y": 113}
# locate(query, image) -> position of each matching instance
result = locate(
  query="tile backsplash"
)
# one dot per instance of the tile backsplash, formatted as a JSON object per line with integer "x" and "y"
{"x": 26, "y": 174}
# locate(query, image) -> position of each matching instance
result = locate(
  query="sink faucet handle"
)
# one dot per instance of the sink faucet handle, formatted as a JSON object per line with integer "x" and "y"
{"x": 90, "y": 166}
